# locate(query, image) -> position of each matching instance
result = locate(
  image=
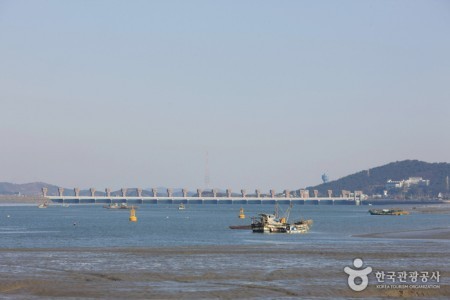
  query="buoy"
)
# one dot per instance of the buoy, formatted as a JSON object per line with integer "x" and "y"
{"x": 133, "y": 217}
{"x": 241, "y": 213}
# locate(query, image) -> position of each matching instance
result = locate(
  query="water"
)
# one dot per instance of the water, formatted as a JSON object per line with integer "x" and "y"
{"x": 192, "y": 253}
{"x": 166, "y": 226}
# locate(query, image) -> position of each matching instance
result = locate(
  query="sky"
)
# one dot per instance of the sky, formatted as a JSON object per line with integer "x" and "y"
{"x": 275, "y": 93}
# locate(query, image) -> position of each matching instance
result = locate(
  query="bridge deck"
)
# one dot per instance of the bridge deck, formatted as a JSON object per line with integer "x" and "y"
{"x": 194, "y": 200}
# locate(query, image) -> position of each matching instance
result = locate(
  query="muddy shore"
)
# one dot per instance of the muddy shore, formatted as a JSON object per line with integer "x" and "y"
{"x": 201, "y": 273}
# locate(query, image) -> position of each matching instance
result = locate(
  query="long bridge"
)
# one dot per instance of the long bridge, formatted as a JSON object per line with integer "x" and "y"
{"x": 201, "y": 197}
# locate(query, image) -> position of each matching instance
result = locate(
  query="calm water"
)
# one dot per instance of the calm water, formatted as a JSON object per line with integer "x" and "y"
{"x": 165, "y": 225}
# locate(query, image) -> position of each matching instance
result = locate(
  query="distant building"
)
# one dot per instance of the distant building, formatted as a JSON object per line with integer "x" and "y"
{"x": 417, "y": 181}
{"x": 392, "y": 184}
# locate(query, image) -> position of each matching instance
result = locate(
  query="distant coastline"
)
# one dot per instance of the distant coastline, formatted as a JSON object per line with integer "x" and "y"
{"x": 11, "y": 199}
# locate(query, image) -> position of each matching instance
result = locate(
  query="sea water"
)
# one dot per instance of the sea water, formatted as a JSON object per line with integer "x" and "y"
{"x": 45, "y": 239}
{"x": 166, "y": 226}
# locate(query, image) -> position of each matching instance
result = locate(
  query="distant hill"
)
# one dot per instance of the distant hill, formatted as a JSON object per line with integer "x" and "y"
{"x": 370, "y": 181}
{"x": 28, "y": 189}
{"x": 373, "y": 181}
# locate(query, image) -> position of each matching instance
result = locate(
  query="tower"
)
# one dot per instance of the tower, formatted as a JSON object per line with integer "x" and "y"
{"x": 207, "y": 178}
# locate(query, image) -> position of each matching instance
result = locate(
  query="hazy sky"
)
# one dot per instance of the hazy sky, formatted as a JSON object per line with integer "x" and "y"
{"x": 134, "y": 93}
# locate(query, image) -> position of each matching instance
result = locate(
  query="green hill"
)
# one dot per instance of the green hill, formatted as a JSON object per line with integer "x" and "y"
{"x": 373, "y": 181}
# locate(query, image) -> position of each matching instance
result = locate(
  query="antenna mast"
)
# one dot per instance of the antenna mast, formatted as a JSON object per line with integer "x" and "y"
{"x": 207, "y": 179}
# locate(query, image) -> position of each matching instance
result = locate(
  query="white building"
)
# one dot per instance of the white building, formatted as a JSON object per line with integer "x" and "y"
{"x": 392, "y": 184}
{"x": 417, "y": 181}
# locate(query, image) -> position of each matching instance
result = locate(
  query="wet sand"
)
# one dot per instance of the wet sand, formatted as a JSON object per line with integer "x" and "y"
{"x": 434, "y": 233}
{"x": 433, "y": 209}
{"x": 209, "y": 272}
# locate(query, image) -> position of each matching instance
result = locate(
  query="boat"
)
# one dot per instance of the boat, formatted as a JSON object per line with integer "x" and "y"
{"x": 388, "y": 212}
{"x": 43, "y": 205}
{"x": 117, "y": 206}
{"x": 181, "y": 207}
{"x": 271, "y": 223}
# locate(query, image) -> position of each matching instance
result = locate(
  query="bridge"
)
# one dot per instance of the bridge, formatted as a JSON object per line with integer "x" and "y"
{"x": 212, "y": 198}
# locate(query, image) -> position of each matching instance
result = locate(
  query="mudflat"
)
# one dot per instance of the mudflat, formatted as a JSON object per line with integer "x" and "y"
{"x": 433, "y": 233}
{"x": 201, "y": 272}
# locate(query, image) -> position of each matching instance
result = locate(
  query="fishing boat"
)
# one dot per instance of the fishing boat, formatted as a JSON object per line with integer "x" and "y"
{"x": 181, "y": 207}
{"x": 43, "y": 205}
{"x": 271, "y": 223}
{"x": 117, "y": 206}
{"x": 388, "y": 212}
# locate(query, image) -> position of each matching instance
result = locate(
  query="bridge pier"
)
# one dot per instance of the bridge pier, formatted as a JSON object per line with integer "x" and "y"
{"x": 44, "y": 191}
{"x": 272, "y": 193}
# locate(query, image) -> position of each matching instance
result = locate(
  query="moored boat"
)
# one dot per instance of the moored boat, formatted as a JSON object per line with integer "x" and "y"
{"x": 43, "y": 205}
{"x": 388, "y": 212}
{"x": 271, "y": 223}
{"x": 117, "y": 206}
